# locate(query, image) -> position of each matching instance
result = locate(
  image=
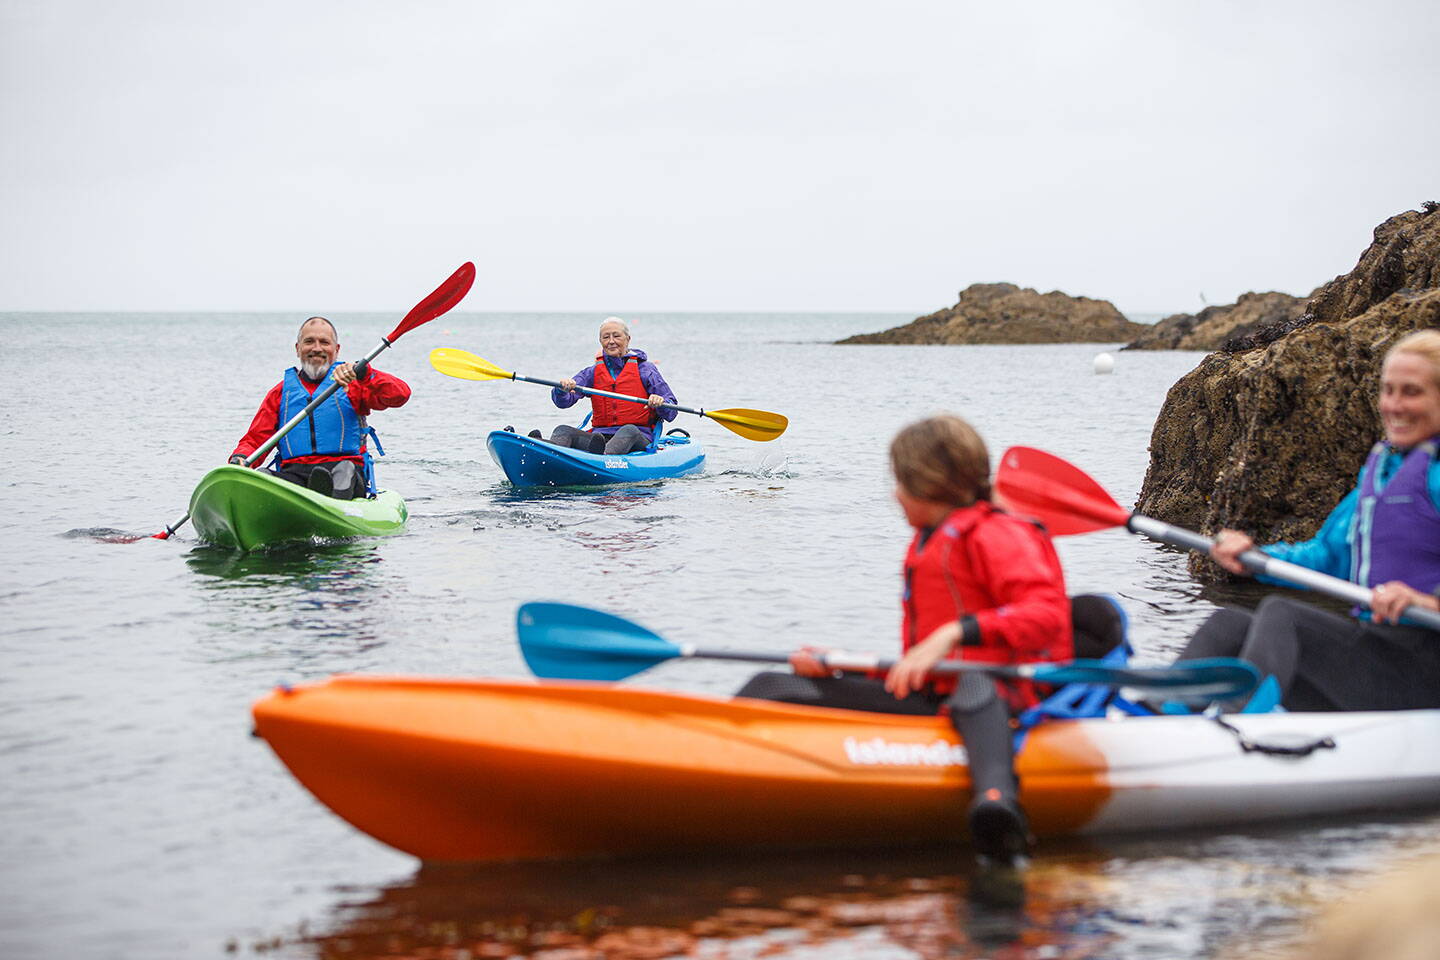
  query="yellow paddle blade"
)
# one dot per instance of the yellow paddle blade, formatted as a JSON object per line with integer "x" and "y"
{"x": 751, "y": 424}
{"x": 465, "y": 365}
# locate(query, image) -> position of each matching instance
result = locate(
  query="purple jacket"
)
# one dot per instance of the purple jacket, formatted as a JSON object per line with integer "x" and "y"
{"x": 649, "y": 376}
{"x": 1398, "y": 527}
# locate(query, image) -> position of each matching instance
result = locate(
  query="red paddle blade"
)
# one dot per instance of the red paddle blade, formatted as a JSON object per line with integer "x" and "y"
{"x": 1058, "y": 494}
{"x": 449, "y": 293}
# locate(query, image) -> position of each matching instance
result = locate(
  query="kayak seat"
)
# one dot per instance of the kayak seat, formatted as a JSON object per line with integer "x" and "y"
{"x": 1098, "y": 624}
{"x": 1100, "y": 628}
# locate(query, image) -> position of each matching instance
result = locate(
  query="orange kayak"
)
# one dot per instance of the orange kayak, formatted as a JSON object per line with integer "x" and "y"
{"x": 481, "y": 770}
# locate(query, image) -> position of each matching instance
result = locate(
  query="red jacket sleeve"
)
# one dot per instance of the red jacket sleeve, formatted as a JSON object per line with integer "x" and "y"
{"x": 377, "y": 391}
{"x": 263, "y": 426}
{"x": 1031, "y": 612}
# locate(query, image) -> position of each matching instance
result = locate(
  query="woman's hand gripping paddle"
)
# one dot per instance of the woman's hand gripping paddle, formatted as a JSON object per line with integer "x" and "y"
{"x": 445, "y": 296}
{"x": 751, "y": 424}
{"x": 1067, "y": 501}
{"x": 561, "y": 641}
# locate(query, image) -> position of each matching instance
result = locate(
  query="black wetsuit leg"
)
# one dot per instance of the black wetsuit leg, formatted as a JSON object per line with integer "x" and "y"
{"x": 568, "y": 436}
{"x": 842, "y": 693}
{"x": 627, "y": 439}
{"x": 299, "y": 474}
{"x": 1325, "y": 661}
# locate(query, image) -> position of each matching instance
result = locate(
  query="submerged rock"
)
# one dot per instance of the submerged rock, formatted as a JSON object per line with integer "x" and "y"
{"x": 1005, "y": 313}
{"x": 1213, "y": 326}
{"x": 1268, "y": 433}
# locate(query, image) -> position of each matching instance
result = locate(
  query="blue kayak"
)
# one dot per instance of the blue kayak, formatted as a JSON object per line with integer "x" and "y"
{"x": 528, "y": 462}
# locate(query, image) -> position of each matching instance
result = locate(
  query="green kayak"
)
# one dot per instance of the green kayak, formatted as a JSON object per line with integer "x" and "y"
{"x": 244, "y": 508}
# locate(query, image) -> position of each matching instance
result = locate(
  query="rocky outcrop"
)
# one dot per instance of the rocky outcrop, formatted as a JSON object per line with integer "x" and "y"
{"x": 1267, "y": 434}
{"x": 1005, "y": 313}
{"x": 1211, "y": 327}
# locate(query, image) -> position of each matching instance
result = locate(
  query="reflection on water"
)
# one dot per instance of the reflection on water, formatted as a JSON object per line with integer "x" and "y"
{"x": 331, "y": 567}
{"x": 600, "y": 519}
{"x": 1186, "y": 895}
{"x": 323, "y": 594}
{"x": 621, "y": 497}
{"x": 827, "y": 904}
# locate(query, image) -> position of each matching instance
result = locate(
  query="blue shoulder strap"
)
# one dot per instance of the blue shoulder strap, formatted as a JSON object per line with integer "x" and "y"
{"x": 370, "y": 489}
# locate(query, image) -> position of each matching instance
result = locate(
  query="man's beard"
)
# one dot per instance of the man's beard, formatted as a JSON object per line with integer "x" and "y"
{"x": 315, "y": 369}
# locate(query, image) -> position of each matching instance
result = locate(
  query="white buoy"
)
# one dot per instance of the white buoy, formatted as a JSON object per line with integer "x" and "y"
{"x": 1104, "y": 363}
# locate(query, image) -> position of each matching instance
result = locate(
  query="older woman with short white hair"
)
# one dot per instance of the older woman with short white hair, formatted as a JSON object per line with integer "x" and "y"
{"x": 616, "y": 426}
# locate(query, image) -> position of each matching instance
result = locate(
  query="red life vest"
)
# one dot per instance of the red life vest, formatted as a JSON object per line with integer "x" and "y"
{"x": 609, "y": 412}
{"x": 1003, "y": 571}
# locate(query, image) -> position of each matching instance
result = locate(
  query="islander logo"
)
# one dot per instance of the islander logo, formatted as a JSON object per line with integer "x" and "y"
{"x": 878, "y": 751}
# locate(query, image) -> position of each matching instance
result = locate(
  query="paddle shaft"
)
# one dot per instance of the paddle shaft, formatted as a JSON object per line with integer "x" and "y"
{"x": 563, "y": 641}
{"x": 840, "y": 660}
{"x": 1197, "y": 676}
{"x": 605, "y": 393}
{"x": 1259, "y": 562}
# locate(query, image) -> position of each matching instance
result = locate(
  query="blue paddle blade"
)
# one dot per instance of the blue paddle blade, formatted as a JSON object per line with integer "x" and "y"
{"x": 1217, "y": 678}
{"x": 560, "y": 641}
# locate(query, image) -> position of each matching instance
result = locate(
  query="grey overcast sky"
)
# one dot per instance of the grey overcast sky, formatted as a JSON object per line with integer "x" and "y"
{"x": 692, "y": 155}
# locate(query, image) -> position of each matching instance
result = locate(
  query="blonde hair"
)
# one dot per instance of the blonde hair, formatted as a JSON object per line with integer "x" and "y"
{"x": 1422, "y": 343}
{"x": 941, "y": 459}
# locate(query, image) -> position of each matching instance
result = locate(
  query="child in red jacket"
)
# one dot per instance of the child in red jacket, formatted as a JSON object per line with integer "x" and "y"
{"x": 980, "y": 585}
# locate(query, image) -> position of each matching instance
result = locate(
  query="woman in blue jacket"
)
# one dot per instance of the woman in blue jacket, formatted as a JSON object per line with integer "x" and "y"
{"x": 1385, "y": 534}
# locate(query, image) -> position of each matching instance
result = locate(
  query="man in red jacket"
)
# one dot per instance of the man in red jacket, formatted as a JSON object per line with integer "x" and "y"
{"x": 327, "y": 450}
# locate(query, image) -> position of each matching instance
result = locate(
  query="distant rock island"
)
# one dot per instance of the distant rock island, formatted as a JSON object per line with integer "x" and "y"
{"x": 1269, "y": 433}
{"x": 1006, "y": 313}
{"x": 1212, "y": 327}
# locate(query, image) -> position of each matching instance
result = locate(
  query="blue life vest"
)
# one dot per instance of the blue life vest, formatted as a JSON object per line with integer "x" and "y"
{"x": 332, "y": 429}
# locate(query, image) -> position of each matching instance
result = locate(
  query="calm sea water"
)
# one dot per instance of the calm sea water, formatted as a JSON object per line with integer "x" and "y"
{"x": 141, "y": 820}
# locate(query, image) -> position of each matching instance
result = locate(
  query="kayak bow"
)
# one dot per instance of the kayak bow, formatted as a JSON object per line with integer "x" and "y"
{"x": 244, "y": 508}
{"x": 528, "y": 462}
